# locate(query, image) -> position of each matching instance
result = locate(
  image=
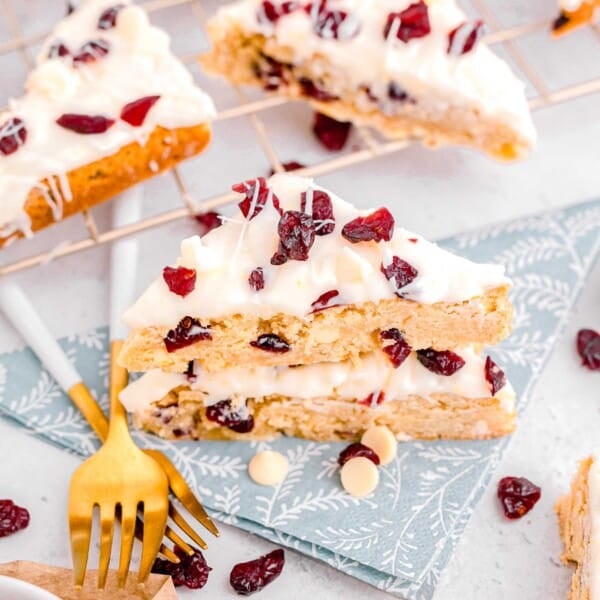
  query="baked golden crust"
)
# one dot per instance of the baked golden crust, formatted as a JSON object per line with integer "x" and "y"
{"x": 236, "y": 54}
{"x": 182, "y": 415}
{"x": 575, "y": 530}
{"x": 569, "y": 20}
{"x": 332, "y": 335}
{"x": 100, "y": 180}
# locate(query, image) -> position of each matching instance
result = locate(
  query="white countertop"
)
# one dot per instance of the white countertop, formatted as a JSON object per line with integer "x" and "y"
{"x": 434, "y": 193}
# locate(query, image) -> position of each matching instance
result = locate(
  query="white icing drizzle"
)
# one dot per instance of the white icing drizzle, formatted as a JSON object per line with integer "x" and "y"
{"x": 222, "y": 268}
{"x": 344, "y": 380}
{"x": 138, "y": 64}
{"x": 594, "y": 512}
{"x": 422, "y": 67}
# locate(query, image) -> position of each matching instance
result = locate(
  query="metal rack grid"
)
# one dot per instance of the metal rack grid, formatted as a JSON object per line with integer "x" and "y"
{"x": 369, "y": 148}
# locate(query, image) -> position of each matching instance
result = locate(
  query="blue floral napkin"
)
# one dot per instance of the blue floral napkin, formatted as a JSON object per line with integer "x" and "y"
{"x": 400, "y": 538}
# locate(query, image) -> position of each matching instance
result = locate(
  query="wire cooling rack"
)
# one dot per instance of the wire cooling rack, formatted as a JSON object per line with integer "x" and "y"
{"x": 368, "y": 148}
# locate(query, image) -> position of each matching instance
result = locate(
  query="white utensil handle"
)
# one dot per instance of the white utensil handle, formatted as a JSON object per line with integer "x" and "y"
{"x": 27, "y": 322}
{"x": 126, "y": 209}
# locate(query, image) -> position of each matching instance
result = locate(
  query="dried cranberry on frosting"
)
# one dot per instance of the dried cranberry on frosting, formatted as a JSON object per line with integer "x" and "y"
{"x": 398, "y": 351}
{"x": 322, "y": 210}
{"x": 271, "y": 12}
{"x": 323, "y": 301}
{"x": 412, "y": 22}
{"x": 85, "y": 124}
{"x": 440, "y": 362}
{"x": 257, "y": 279}
{"x": 332, "y": 24}
{"x": 375, "y": 227}
{"x": 13, "y": 134}
{"x": 135, "y": 112}
{"x": 463, "y": 38}
{"x": 399, "y": 273}
{"x": 108, "y": 18}
{"x": 58, "y": 50}
{"x": 331, "y": 133}
{"x": 296, "y": 236}
{"x": 257, "y": 194}
{"x": 181, "y": 281}
{"x": 91, "y": 51}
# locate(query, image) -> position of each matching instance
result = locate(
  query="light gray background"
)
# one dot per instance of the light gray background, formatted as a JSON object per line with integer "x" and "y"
{"x": 434, "y": 193}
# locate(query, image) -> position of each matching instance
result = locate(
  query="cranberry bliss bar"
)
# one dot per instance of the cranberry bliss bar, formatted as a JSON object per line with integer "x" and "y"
{"x": 412, "y": 69}
{"x": 302, "y": 315}
{"x": 107, "y": 106}
{"x": 579, "y": 521}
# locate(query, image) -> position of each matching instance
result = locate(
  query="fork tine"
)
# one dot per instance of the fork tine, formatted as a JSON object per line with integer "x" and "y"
{"x": 107, "y": 521}
{"x": 81, "y": 532}
{"x": 155, "y": 518}
{"x": 182, "y": 491}
{"x": 185, "y": 526}
{"x": 169, "y": 554}
{"x": 178, "y": 540}
{"x": 128, "y": 516}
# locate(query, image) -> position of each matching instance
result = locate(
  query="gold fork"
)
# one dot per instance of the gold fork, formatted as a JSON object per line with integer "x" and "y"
{"x": 120, "y": 480}
{"x": 21, "y": 313}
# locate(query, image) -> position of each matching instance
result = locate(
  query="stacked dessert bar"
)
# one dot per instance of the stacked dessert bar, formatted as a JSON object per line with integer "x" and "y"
{"x": 304, "y": 316}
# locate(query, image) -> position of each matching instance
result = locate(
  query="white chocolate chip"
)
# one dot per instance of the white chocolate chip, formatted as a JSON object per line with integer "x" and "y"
{"x": 359, "y": 476}
{"x": 268, "y": 468}
{"x": 52, "y": 79}
{"x": 382, "y": 441}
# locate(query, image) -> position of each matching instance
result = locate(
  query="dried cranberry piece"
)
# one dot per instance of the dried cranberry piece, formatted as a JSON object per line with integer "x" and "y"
{"x": 322, "y": 211}
{"x": 440, "y": 362}
{"x": 257, "y": 193}
{"x": 135, "y": 112}
{"x": 518, "y": 496}
{"x": 12, "y": 135}
{"x": 373, "y": 399}
{"x": 560, "y": 21}
{"x": 85, "y": 124}
{"x": 332, "y": 24}
{"x": 270, "y": 342}
{"x": 108, "y": 18}
{"x": 322, "y": 302}
{"x": 249, "y": 577}
{"x": 296, "y": 236}
{"x": 190, "y": 373}
{"x": 463, "y": 38}
{"x": 257, "y": 279}
{"x": 58, "y": 50}
{"x": 13, "y": 518}
{"x": 310, "y": 89}
{"x": 292, "y": 165}
{"x": 398, "y": 351}
{"x": 271, "y": 72}
{"x": 355, "y": 450}
{"x": 375, "y": 227}
{"x": 191, "y": 571}
{"x": 588, "y": 347}
{"x": 399, "y": 273}
{"x": 71, "y": 7}
{"x": 187, "y": 332}
{"x": 269, "y": 12}
{"x": 91, "y": 51}
{"x": 208, "y": 221}
{"x": 396, "y": 92}
{"x": 413, "y": 240}
{"x": 181, "y": 281}
{"x": 331, "y": 133}
{"x": 413, "y": 22}
{"x": 494, "y": 375}
{"x": 226, "y": 415}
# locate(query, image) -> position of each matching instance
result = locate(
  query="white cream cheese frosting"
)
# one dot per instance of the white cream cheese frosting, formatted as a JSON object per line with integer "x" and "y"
{"x": 594, "y": 512}
{"x": 423, "y": 67}
{"x": 374, "y": 375}
{"x": 224, "y": 258}
{"x": 138, "y": 64}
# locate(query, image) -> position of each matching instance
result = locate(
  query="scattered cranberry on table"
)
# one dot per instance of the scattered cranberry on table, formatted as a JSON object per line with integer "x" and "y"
{"x": 13, "y": 518}
{"x": 331, "y": 133}
{"x": 588, "y": 348}
{"x": 357, "y": 449}
{"x": 517, "y": 496}
{"x": 252, "y": 576}
{"x": 192, "y": 571}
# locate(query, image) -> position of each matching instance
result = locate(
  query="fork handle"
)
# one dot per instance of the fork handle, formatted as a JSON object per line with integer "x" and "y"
{"x": 21, "y": 313}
